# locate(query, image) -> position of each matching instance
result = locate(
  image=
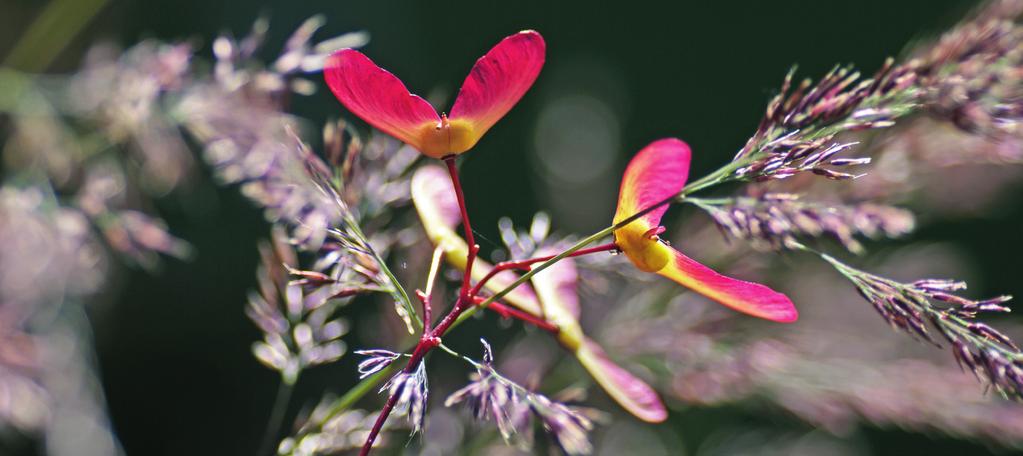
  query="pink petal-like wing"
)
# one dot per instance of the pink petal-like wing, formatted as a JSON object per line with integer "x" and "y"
{"x": 629, "y": 391}
{"x": 557, "y": 285}
{"x": 747, "y": 297}
{"x": 378, "y": 97}
{"x": 435, "y": 200}
{"x": 656, "y": 173}
{"x": 497, "y": 81}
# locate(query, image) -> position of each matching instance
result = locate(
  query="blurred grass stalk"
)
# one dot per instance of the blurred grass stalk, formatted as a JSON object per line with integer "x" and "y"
{"x": 51, "y": 32}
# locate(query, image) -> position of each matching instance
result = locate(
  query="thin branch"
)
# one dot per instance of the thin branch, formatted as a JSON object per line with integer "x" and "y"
{"x": 426, "y": 296}
{"x": 431, "y": 338}
{"x": 525, "y": 264}
{"x": 511, "y": 312}
{"x": 284, "y": 390}
{"x": 466, "y": 226}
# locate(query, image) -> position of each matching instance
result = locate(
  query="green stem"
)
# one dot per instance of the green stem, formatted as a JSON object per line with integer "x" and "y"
{"x": 284, "y": 390}
{"x": 406, "y": 302}
{"x": 704, "y": 203}
{"x": 361, "y": 389}
{"x": 960, "y": 325}
{"x": 540, "y": 267}
{"x": 723, "y": 174}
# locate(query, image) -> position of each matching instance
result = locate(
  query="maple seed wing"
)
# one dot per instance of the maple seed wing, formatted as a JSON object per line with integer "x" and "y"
{"x": 656, "y": 173}
{"x": 629, "y": 391}
{"x": 746, "y": 297}
{"x": 378, "y": 97}
{"x": 556, "y": 287}
{"x": 497, "y": 82}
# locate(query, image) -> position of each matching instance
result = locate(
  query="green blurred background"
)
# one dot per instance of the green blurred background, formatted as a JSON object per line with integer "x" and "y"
{"x": 173, "y": 346}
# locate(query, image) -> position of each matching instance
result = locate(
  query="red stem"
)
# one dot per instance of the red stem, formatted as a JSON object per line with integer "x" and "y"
{"x": 524, "y": 264}
{"x": 431, "y": 338}
{"x": 511, "y": 312}
{"x": 427, "y": 312}
{"x": 379, "y": 424}
{"x": 473, "y": 248}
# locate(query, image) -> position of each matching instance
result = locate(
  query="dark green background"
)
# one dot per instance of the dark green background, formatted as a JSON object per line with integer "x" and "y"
{"x": 173, "y": 347}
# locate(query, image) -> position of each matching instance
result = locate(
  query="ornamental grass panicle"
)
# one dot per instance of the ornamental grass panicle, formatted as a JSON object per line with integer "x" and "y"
{"x": 492, "y": 396}
{"x": 299, "y": 330}
{"x": 376, "y": 361}
{"x": 411, "y": 390}
{"x": 775, "y": 220}
{"x": 258, "y": 147}
{"x": 522, "y": 245}
{"x": 798, "y": 132}
{"x": 239, "y": 119}
{"x": 932, "y": 303}
{"x": 84, "y": 158}
{"x": 971, "y": 75}
{"x": 323, "y": 432}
